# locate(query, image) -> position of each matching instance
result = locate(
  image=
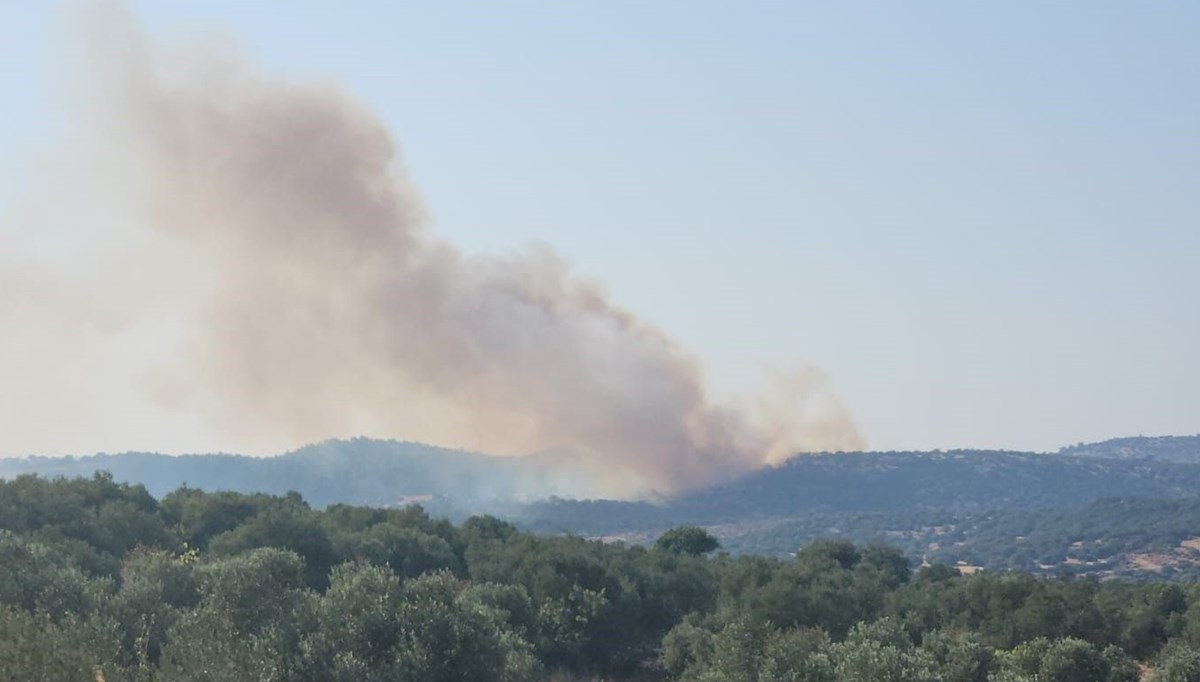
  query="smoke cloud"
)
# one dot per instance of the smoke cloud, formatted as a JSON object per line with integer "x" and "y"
{"x": 263, "y": 267}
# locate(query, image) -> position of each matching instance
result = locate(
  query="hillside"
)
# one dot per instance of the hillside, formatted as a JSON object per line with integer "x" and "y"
{"x": 997, "y": 509}
{"x": 1127, "y": 516}
{"x": 102, "y": 581}
{"x": 892, "y": 482}
{"x": 357, "y": 471}
{"x": 387, "y": 472}
{"x": 1185, "y": 449}
{"x": 1128, "y": 538}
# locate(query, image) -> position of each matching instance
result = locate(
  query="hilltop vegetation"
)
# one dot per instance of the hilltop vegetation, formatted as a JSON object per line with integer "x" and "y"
{"x": 225, "y": 586}
{"x": 355, "y": 471}
{"x": 1122, "y": 508}
{"x": 1185, "y": 449}
{"x": 381, "y": 473}
{"x": 955, "y": 481}
{"x": 1050, "y": 514}
{"x": 1128, "y": 538}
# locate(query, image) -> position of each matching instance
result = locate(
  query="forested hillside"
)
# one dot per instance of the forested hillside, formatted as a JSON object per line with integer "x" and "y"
{"x": 374, "y": 472}
{"x": 355, "y": 471}
{"x": 955, "y": 481}
{"x": 103, "y": 581}
{"x": 991, "y": 509}
{"x": 1169, "y": 448}
{"x": 1127, "y": 538}
{"x": 1050, "y": 514}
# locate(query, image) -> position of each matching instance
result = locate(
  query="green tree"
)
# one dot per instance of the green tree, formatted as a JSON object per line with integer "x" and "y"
{"x": 407, "y": 551}
{"x": 691, "y": 540}
{"x": 443, "y": 639}
{"x": 358, "y": 627}
{"x": 291, "y": 527}
{"x": 1177, "y": 663}
{"x": 39, "y": 579}
{"x": 256, "y": 590}
{"x": 1063, "y": 660}
{"x": 881, "y": 651}
{"x": 206, "y": 645}
{"x": 156, "y": 588}
{"x": 36, "y": 648}
{"x": 960, "y": 656}
{"x": 797, "y": 656}
{"x": 687, "y": 649}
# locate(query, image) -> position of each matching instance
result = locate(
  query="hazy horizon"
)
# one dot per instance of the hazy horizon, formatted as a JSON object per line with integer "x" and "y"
{"x": 958, "y": 227}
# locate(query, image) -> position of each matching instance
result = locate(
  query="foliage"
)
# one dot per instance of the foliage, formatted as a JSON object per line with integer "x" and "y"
{"x": 97, "y": 576}
{"x": 687, "y": 540}
{"x": 1178, "y": 663}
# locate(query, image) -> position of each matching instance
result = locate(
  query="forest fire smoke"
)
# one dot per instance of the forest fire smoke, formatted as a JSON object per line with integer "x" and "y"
{"x": 275, "y": 235}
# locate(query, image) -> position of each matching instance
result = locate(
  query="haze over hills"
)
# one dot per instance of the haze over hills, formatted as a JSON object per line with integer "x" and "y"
{"x": 1184, "y": 449}
{"x": 650, "y": 274}
{"x": 389, "y": 472}
{"x": 357, "y": 471}
{"x": 1035, "y": 511}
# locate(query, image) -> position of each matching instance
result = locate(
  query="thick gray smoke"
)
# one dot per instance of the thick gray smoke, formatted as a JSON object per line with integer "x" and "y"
{"x": 267, "y": 225}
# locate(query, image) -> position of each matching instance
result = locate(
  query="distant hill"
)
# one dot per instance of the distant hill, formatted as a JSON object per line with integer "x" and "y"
{"x": 1130, "y": 508}
{"x": 954, "y": 481}
{"x": 1119, "y": 507}
{"x": 1124, "y": 537}
{"x": 356, "y": 471}
{"x": 385, "y": 472}
{"x": 1184, "y": 449}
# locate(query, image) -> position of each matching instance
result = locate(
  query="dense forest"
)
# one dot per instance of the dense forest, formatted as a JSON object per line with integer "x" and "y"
{"x": 101, "y": 580}
{"x": 1185, "y": 449}
{"x": 1145, "y": 539}
{"x": 1125, "y": 508}
{"x": 460, "y": 483}
{"x": 961, "y": 482}
{"x": 329, "y": 472}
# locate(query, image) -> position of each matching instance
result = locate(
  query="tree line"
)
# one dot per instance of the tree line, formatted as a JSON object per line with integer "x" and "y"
{"x": 100, "y": 580}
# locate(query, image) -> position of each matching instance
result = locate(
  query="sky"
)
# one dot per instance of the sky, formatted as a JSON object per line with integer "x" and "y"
{"x": 980, "y": 221}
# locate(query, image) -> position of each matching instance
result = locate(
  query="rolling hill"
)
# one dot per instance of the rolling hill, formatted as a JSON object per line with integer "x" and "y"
{"x": 355, "y": 471}
{"x": 997, "y": 509}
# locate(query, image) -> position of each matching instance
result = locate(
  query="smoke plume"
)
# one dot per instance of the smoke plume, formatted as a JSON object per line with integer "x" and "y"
{"x": 270, "y": 266}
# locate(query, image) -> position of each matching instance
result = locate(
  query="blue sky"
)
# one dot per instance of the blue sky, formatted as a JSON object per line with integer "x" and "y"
{"x": 981, "y": 220}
